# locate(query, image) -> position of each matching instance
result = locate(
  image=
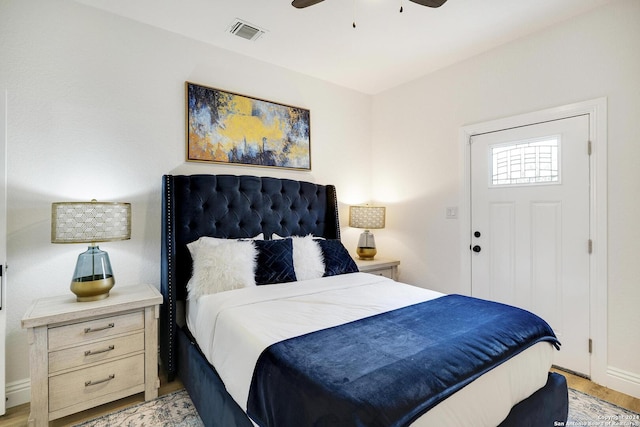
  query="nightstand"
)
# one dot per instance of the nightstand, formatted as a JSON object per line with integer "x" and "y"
{"x": 380, "y": 266}
{"x": 85, "y": 354}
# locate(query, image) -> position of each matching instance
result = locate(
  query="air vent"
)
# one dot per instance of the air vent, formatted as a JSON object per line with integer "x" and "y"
{"x": 245, "y": 30}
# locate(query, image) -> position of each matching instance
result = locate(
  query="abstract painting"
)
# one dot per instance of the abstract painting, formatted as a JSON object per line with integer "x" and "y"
{"x": 225, "y": 127}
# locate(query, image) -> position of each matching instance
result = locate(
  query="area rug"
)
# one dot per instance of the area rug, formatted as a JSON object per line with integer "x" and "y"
{"x": 171, "y": 410}
{"x": 177, "y": 410}
{"x": 586, "y": 410}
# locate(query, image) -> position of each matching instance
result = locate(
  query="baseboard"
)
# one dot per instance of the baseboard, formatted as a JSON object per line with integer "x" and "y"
{"x": 18, "y": 392}
{"x": 624, "y": 381}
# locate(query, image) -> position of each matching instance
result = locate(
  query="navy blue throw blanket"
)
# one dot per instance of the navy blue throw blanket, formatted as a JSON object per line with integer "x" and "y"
{"x": 388, "y": 369}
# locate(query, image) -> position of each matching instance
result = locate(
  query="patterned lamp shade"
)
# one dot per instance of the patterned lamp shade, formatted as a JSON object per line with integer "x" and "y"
{"x": 91, "y": 222}
{"x": 367, "y": 217}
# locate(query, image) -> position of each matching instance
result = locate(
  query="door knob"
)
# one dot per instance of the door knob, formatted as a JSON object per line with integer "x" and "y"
{"x": 476, "y": 248}
{"x": 477, "y": 234}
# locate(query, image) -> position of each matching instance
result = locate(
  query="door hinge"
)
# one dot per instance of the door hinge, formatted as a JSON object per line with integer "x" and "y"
{"x": 590, "y": 346}
{"x": 590, "y": 244}
{"x": 589, "y": 148}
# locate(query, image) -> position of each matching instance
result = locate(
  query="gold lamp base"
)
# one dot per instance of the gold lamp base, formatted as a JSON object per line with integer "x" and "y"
{"x": 366, "y": 246}
{"x": 366, "y": 253}
{"x": 92, "y": 290}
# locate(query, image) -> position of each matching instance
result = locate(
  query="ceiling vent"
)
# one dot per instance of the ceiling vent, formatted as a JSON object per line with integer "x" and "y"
{"x": 245, "y": 30}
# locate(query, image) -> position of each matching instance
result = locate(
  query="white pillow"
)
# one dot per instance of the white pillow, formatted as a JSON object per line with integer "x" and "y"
{"x": 308, "y": 262}
{"x": 211, "y": 241}
{"x": 220, "y": 266}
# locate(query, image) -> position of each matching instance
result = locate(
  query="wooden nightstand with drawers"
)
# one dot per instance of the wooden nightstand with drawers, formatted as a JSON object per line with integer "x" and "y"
{"x": 85, "y": 354}
{"x": 379, "y": 266}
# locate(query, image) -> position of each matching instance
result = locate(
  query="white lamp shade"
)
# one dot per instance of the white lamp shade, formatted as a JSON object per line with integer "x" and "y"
{"x": 90, "y": 222}
{"x": 367, "y": 217}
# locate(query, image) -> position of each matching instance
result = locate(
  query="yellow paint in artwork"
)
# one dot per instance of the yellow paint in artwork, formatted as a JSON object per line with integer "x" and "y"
{"x": 298, "y": 151}
{"x": 239, "y": 105}
{"x": 238, "y": 127}
{"x": 219, "y": 155}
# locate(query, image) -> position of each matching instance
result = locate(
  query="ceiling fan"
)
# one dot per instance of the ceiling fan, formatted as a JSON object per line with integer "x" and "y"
{"x": 305, "y": 3}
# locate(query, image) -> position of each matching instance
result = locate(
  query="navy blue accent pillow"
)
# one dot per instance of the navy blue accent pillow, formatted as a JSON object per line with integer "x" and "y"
{"x": 275, "y": 262}
{"x": 336, "y": 258}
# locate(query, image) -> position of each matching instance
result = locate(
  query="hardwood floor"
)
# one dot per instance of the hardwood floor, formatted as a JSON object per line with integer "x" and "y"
{"x": 584, "y": 385}
{"x": 18, "y": 415}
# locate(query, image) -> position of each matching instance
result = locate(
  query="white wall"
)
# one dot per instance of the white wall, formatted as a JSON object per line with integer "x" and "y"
{"x": 96, "y": 110}
{"x": 417, "y": 158}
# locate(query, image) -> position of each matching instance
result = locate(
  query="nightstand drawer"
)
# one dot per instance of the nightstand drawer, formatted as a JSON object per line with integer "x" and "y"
{"x": 90, "y": 383}
{"x": 78, "y": 333}
{"x": 380, "y": 267}
{"x": 385, "y": 272}
{"x": 95, "y": 352}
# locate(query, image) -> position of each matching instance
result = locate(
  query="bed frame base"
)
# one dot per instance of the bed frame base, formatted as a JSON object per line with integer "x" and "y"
{"x": 215, "y": 407}
{"x": 547, "y": 407}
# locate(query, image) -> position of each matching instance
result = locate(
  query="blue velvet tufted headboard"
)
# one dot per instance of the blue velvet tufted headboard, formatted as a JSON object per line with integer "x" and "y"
{"x": 231, "y": 206}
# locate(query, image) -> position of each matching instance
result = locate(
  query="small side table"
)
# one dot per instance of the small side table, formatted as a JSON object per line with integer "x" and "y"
{"x": 85, "y": 354}
{"x": 379, "y": 266}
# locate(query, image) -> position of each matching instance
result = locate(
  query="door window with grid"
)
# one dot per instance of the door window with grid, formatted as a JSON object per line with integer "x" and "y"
{"x": 525, "y": 162}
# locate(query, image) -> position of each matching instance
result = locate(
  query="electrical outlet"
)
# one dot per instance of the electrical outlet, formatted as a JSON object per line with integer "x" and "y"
{"x": 452, "y": 212}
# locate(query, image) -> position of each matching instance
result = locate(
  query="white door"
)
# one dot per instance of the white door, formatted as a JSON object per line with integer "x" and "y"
{"x": 530, "y": 227}
{"x": 3, "y": 244}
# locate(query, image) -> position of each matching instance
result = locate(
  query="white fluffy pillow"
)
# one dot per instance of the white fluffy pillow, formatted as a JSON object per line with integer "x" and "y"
{"x": 308, "y": 261}
{"x": 221, "y": 265}
{"x": 212, "y": 241}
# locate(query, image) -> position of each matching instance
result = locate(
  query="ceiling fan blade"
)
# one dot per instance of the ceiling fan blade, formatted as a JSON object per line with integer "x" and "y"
{"x": 304, "y": 3}
{"x": 430, "y": 3}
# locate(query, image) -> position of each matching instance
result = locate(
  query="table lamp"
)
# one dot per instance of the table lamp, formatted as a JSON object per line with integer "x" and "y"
{"x": 367, "y": 217}
{"x": 91, "y": 222}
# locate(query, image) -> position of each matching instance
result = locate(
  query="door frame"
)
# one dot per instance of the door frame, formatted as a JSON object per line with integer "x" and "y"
{"x": 3, "y": 248}
{"x": 597, "y": 111}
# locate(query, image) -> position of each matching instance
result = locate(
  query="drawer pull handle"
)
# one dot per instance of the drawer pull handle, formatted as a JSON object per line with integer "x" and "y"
{"x": 109, "y": 378}
{"x": 104, "y": 350}
{"x": 89, "y": 330}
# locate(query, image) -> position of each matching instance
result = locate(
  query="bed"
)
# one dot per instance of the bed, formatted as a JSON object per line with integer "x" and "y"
{"x": 263, "y": 332}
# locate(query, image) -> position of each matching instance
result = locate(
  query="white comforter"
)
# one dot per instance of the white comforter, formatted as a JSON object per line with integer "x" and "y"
{"x": 233, "y": 328}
